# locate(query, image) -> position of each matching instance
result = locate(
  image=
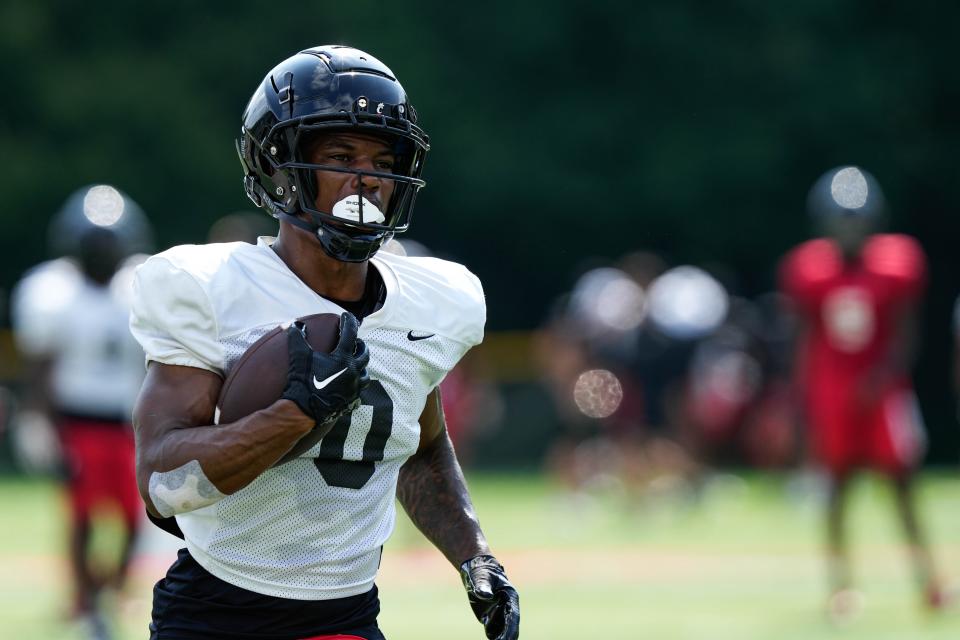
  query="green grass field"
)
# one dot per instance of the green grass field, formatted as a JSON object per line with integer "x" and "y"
{"x": 743, "y": 562}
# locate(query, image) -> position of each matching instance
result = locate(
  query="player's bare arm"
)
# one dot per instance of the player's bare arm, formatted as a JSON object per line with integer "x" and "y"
{"x": 37, "y": 392}
{"x": 433, "y": 492}
{"x": 184, "y": 461}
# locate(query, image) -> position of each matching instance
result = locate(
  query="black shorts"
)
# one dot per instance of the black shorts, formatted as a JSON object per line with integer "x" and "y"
{"x": 191, "y": 604}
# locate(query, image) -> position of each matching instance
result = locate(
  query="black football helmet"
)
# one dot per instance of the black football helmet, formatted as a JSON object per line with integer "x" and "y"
{"x": 330, "y": 88}
{"x": 98, "y": 226}
{"x": 847, "y": 204}
{"x": 846, "y": 191}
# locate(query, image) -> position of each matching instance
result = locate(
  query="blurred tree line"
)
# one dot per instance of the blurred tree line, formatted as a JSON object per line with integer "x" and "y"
{"x": 560, "y": 131}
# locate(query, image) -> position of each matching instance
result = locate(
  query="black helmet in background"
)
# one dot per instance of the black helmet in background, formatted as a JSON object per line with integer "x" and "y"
{"x": 847, "y": 205}
{"x": 99, "y": 226}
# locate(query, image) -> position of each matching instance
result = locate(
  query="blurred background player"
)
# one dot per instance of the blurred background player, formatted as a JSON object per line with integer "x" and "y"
{"x": 84, "y": 370}
{"x": 582, "y": 354}
{"x": 615, "y": 355}
{"x": 856, "y": 293}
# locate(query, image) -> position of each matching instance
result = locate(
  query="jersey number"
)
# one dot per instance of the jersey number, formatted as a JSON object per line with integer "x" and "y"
{"x": 353, "y": 474}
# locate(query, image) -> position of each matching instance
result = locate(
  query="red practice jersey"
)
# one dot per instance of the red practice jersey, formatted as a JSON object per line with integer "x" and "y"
{"x": 851, "y": 310}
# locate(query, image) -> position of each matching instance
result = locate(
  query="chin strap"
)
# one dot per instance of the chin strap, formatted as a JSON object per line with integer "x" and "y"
{"x": 297, "y": 222}
{"x": 259, "y": 196}
{"x": 337, "y": 244}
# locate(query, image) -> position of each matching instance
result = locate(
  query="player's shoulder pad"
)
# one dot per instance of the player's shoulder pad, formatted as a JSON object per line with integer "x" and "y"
{"x": 812, "y": 261}
{"x": 47, "y": 284}
{"x": 437, "y": 296}
{"x": 172, "y": 311}
{"x": 202, "y": 261}
{"x": 39, "y": 303}
{"x": 213, "y": 268}
{"x": 895, "y": 255}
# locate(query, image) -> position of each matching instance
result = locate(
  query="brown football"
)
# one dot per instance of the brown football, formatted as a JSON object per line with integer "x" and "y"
{"x": 258, "y": 378}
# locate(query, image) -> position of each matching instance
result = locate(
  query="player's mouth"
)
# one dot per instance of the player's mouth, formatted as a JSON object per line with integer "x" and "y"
{"x": 359, "y": 209}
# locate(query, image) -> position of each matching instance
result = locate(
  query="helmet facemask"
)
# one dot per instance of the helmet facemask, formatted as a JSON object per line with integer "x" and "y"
{"x": 322, "y": 90}
{"x": 356, "y": 226}
{"x": 377, "y": 204}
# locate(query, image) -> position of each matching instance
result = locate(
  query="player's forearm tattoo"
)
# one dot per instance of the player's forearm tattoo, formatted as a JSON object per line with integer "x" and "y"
{"x": 434, "y": 494}
{"x": 183, "y": 489}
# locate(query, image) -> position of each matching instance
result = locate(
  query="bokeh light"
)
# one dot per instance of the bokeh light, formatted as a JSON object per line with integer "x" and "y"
{"x": 687, "y": 302}
{"x": 849, "y": 188}
{"x": 607, "y": 299}
{"x": 597, "y": 393}
{"x": 103, "y": 205}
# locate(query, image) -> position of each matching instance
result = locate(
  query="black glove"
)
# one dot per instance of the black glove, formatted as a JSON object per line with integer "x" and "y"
{"x": 493, "y": 599}
{"x": 327, "y": 385}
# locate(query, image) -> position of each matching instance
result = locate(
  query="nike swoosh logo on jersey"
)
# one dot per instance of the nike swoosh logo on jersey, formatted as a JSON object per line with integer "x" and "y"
{"x": 320, "y": 384}
{"x": 410, "y": 336}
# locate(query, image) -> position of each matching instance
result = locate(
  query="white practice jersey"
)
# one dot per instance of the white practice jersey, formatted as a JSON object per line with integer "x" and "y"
{"x": 84, "y": 329}
{"x": 312, "y": 528}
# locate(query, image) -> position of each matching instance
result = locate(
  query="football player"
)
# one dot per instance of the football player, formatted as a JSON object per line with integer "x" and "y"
{"x": 857, "y": 293}
{"x": 84, "y": 369}
{"x": 332, "y": 148}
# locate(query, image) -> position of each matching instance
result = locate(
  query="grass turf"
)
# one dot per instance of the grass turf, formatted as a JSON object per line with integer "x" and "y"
{"x": 741, "y": 561}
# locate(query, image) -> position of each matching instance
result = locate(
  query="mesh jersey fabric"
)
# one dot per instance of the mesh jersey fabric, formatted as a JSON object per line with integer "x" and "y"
{"x": 312, "y": 528}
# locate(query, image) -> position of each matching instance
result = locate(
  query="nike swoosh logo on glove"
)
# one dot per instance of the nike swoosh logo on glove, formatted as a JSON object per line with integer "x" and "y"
{"x": 320, "y": 384}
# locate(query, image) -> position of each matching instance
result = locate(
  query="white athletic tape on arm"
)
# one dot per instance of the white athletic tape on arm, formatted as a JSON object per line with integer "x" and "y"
{"x": 183, "y": 489}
